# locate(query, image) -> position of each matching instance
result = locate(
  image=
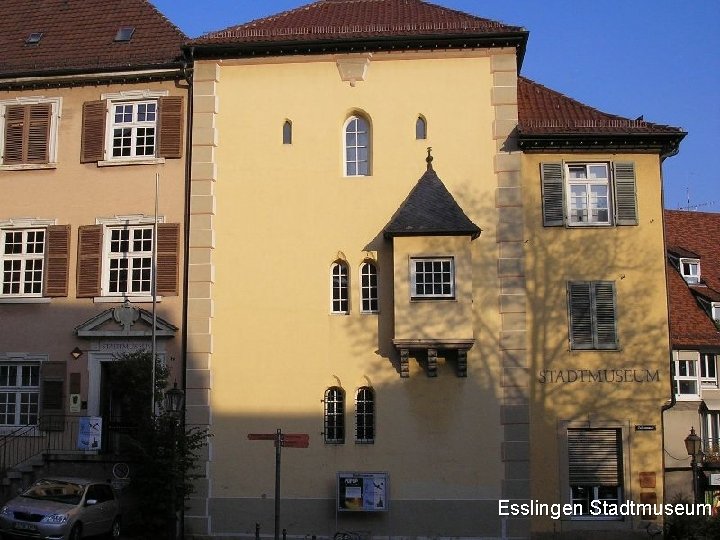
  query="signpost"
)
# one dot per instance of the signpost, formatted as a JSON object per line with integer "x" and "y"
{"x": 289, "y": 440}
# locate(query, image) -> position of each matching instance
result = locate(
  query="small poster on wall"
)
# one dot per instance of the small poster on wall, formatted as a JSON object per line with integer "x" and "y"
{"x": 90, "y": 433}
{"x": 362, "y": 492}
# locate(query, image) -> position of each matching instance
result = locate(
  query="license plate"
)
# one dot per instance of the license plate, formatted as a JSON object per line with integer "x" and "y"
{"x": 26, "y": 526}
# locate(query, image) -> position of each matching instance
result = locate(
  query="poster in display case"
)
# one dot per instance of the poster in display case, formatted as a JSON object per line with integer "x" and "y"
{"x": 362, "y": 492}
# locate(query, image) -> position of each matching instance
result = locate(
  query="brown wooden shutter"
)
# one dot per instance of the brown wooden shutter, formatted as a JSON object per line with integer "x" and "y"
{"x": 38, "y": 133}
{"x": 27, "y": 133}
{"x": 92, "y": 141}
{"x": 168, "y": 259}
{"x": 52, "y": 396}
{"x": 57, "y": 260}
{"x": 89, "y": 260}
{"x": 170, "y": 127}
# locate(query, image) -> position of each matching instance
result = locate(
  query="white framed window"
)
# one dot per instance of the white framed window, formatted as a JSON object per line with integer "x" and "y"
{"x": 365, "y": 415}
{"x": 129, "y": 268}
{"x": 368, "y": 287}
{"x": 588, "y": 194}
{"x": 708, "y": 370}
{"x": 687, "y": 381}
{"x": 432, "y": 277}
{"x": 29, "y": 128}
{"x": 340, "y": 288}
{"x": 357, "y": 146}
{"x": 595, "y": 462}
{"x": 334, "y": 415}
{"x": 132, "y": 129}
{"x": 19, "y": 394}
{"x": 23, "y": 260}
{"x": 690, "y": 270}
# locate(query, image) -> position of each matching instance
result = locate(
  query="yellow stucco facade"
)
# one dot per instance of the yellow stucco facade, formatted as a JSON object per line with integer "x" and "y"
{"x": 268, "y": 220}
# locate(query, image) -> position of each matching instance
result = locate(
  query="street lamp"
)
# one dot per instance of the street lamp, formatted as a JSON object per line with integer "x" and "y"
{"x": 174, "y": 401}
{"x": 693, "y": 445}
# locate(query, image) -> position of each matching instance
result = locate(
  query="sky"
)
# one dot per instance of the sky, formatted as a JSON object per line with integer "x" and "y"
{"x": 655, "y": 58}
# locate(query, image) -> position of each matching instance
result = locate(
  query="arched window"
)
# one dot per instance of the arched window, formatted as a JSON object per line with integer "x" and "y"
{"x": 334, "y": 415}
{"x": 287, "y": 132}
{"x": 340, "y": 288}
{"x": 357, "y": 146}
{"x": 365, "y": 415}
{"x": 421, "y": 128}
{"x": 368, "y": 287}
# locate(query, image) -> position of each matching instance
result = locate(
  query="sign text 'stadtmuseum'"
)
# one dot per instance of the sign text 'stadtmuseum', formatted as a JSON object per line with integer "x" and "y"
{"x": 598, "y": 376}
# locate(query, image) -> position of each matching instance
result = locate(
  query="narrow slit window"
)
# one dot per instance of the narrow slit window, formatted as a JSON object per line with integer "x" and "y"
{"x": 340, "y": 288}
{"x": 357, "y": 146}
{"x": 334, "y": 421}
{"x": 421, "y": 128}
{"x": 365, "y": 416}
{"x": 287, "y": 132}
{"x": 369, "y": 287}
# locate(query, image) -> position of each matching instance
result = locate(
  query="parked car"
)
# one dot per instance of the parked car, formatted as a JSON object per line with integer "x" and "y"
{"x": 62, "y": 509}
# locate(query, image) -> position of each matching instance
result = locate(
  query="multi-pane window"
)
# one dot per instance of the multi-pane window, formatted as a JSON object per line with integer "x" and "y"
{"x": 432, "y": 277}
{"x": 357, "y": 146}
{"x": 365, "y": 415}
{"x": 369, "y": 287}
{"x": 686, "y": 378}
{"x": 19, "y": 394}
{"x": 595, "y": 467}
{"x": 23, "y": 257}
{"x": 133, "y": 128}
{"x": 588, "y": 194}
{"x": 711, "y": 432}
{"x": 334, "y": 415}
{"x": 592, "y": 315}
{"x": 130, "y": 260}
{"x": 589, "y": 190}
{"x": 340, "y": 288}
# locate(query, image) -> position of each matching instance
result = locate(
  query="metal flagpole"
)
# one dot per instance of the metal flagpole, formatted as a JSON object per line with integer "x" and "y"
{"x": 153, "y": 286}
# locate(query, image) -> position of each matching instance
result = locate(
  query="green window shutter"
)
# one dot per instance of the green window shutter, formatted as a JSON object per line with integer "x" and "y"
{"x": 580, "y": 314}
{"x": 605, "y": 317}
{"x": 553, "y": 207}
{"x": 595, "y": 457}
{"x": 592, "y": 315}
{"x": 625, "y": 194}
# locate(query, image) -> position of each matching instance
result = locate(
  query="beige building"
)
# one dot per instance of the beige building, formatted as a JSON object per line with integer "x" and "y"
{"x": 418, "y": 315}
{"x": 88, "y": 118}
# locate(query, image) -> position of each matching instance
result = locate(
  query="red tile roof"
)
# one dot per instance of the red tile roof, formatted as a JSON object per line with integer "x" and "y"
{"x": 342, "y": 20}
{"x": 78, "y": 35}
{"x": 694, "y": 232}
{"x": 545, "y": 111}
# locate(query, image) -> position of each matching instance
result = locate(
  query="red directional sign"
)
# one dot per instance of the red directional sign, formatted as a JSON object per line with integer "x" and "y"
{"x": 295, "y": 440}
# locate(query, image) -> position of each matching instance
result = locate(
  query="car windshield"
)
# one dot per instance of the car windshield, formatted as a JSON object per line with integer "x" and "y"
{"x": 55, "y": 490}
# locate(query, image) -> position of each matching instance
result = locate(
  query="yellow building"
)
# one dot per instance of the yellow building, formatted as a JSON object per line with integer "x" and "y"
{"x": 598, "y": 341}
{"x": 407, "y": 309}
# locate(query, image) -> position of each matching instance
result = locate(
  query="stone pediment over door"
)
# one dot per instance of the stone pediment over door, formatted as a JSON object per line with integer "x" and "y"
{"x": 125, "y": 321}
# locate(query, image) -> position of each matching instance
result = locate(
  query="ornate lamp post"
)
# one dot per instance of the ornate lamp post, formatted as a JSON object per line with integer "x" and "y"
{"x": 174, "y": 401}
{"x": 693, "y": 445}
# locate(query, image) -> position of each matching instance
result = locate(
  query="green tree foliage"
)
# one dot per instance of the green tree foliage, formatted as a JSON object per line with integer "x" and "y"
{"x": 164, "y": 453}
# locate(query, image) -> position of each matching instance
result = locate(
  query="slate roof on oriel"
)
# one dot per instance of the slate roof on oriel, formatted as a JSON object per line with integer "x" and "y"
{"x": 80, "y": 36}
{"x": 687, "y": 234}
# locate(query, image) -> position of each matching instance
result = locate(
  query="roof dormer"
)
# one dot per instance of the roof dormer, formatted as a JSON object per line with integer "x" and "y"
{"x": 687, "y": 263}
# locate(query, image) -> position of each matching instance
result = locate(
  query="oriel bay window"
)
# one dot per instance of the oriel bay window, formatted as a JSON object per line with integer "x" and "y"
{"x": 432, "y": 277}
{"x": 595, "y": 468}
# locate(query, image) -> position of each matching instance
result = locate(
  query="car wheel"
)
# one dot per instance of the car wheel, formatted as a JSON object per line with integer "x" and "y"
{"x": 76, "y": 532}
{"x": 115, "y": 529}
